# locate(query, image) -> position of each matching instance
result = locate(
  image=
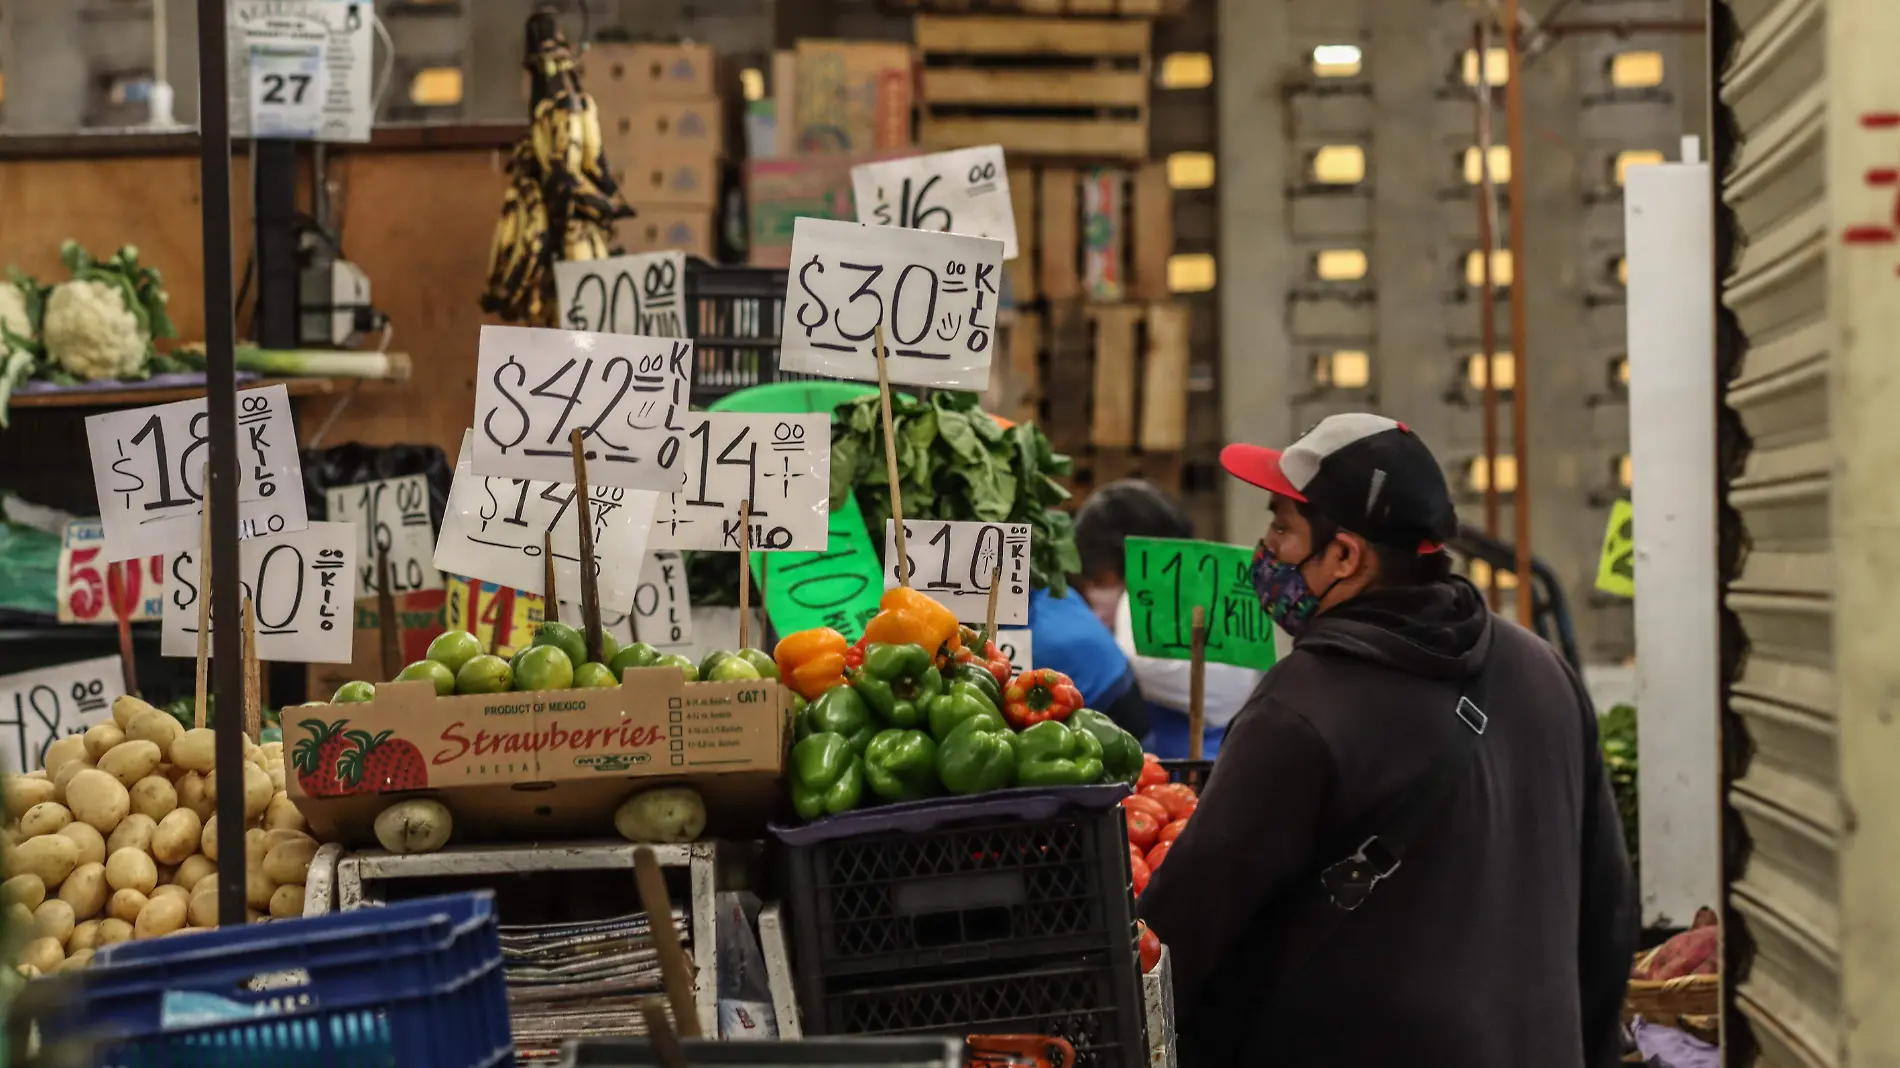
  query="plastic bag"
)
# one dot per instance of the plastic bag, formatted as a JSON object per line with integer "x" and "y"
{"x": 29, "y": 573}
{"x": 745, "y": 996}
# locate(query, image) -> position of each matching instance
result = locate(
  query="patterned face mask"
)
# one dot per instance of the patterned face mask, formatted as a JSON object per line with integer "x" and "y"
{"x": 1283, "y": 592}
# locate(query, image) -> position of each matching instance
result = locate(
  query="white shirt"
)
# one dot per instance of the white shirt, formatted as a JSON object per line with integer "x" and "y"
{"x": 1166, "y": 682}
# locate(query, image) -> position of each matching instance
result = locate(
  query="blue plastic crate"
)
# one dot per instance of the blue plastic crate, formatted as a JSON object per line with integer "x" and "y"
{"x": 412, "y": 985}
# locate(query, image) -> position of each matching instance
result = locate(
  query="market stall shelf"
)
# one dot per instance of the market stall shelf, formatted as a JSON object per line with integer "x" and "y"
{"x": 139, "y": 394}
{"x": 1133, "y": 8}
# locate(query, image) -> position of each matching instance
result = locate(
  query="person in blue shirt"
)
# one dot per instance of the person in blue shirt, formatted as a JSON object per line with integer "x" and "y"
{"x": 1066, "y": 636}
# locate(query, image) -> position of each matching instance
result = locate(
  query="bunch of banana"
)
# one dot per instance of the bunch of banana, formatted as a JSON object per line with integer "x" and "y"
{"x": 562, "y": 200}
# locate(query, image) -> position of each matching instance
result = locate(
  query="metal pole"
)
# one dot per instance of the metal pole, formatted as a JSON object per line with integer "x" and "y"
{"x": 1487, "y": 294}
{"x": 227, "y": 651}
{"x": 1520, "y": 326}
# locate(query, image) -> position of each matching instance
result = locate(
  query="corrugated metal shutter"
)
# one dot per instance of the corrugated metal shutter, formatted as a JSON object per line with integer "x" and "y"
{"x": 1785, "y": 808}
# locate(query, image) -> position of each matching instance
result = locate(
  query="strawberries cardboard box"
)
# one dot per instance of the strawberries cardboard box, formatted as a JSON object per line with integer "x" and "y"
{"x": 541, "y": 764}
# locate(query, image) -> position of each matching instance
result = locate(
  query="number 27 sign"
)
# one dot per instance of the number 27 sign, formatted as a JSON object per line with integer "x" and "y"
{"x": 93, "y": 591}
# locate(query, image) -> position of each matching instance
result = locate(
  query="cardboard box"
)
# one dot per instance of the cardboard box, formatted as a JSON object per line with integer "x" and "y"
{"x": 688, "y": 179}
{"x": 623, "y": 76}
{"x": 420, "y": 618}
{"x": 552, "y": 763}
{"x": 852, "y": 96}
{"x": 778, "y": 191}
{"x": 660, "y": 227}
{"x": 696, "y": 126}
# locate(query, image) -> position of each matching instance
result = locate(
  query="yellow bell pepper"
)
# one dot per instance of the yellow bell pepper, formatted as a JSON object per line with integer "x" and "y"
{"x": 811, "y": 661}
{"x": 906, "y": 617}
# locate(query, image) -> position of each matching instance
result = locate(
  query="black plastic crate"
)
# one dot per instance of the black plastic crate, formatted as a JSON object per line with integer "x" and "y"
{"x": 880, "y": 1052}
{"x": 1192, "y": 772}
{"x": 986, "y": 890}
{"x": 733, "y": 315}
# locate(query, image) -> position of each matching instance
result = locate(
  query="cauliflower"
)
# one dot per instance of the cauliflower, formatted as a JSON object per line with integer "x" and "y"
{"x": 102, "y": 322}
{"x": 16, "y": 317}
{"x": 20, "y": 305}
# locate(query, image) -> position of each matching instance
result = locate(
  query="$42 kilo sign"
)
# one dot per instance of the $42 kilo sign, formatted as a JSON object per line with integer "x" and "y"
{"x": 302, "y": 588}
{"x": 960, "y": 192}
{"x": 93, "y": 591}
{"x": 952, "y": 564}
{"x": 637, "y": 294}
{"x": 781, "y": 463}
{"x": 935, "y": 295}
{"x": 149, "y": 467}
{"x": 626, "y": 394}
{"x": 391, "y": 516}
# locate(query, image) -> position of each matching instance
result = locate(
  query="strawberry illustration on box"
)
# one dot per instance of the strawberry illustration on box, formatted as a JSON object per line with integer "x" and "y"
{"x": 381, "y": 764}
{"x": 317, "y": 756}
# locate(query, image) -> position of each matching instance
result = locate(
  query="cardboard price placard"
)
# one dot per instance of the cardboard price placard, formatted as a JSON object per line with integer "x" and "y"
{"x": 1015, "y": 643}
{"x": 627, "y": 395}
{"x": 965, "y": 191}
{"x": 149, "y": 467}
{"x": 391, "y": 515}
{"x": 89, "y": 588}
{"x": 37, "y": 708}
{"x": 838, "y": 588}
{"x": 661, "y": 611}
{"x": 505, "y": 618}
{"x": 952, "y": 562}
{"x": 494, "y": 528}
{"x": 933, "y": 295}
{"x": 781, "y": 463}
{"x": 302, "y": 587}
{"x": 1168, "y": 578}
{"x": 638, "y": 294}
{"x": 1616, "y": 567}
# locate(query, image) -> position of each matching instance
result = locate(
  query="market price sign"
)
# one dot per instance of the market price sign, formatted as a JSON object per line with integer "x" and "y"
{"x": 391, "y": 516}
{"x": 1015, "y": 644}
{"x": 37, "y": 708}
{"x": 661, "y": 613}
{"x": 494, "y": 529}
{"x": 1616, "y": 566}
{"x": 965, "y": 191}
{"x": 637, "y": 294}
{"x": 288, "y": 86}
{"x": 934, "y": 295}
{"x": 93, "y": 591}
{"x": 836, "y": 588}
{"x": 1168, "y": 578}
{"x": 781, "y": 463}
{"x": 149, "y": 466}
{"x": 504, "y": 616}
{"x": 953, "y": 563}
{"x": 627, "y": 395}
{"x": 301, "y": 68}
{"x": 302, "y": 587}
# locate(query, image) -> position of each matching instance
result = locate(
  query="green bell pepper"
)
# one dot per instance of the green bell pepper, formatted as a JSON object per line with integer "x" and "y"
{"x": 826, "y": 776}
{"x": 1121, "y": 753}
{"x": 1051, "y": 753}
{"x": 901, "y": 765}
{"x": 961, "y": 703}
{"x": 897, "y": 682}
{"x": 838, "y": 710}
{"x": 978, "y": 676}
{"x": 974, "y": 759}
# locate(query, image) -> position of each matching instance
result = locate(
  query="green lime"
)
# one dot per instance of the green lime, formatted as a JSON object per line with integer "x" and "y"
{"x": 733, "y": 669}
{"x": 637, "y": 655}
{"x": 353, "y": 693}
{"x": 484, "y": 674}
{"x": 710, "y": 660}
{"x": 762, "y": 660}
{"x": 453, "y": 648}
{"x": 593, "y": 675}
{"x": 543, "y": 667}
{"x": 565, "y": 638}
{"x": 609, "y": 647}
{"x": 431, "y": 671}
{"x": 676, "y": 660}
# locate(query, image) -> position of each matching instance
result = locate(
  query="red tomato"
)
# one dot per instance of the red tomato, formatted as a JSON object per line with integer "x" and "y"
{"x": 1157, "y": 855}
{"x": 1142, "y": 827}
{"x": 1179, "y": 800}
{"x": 1152, "y": 773}
{"x": 1140, "y": 874}
{"x": 1150, "y": 948}
{"x": 1138, "y": 803}
{"x": 1136, "y": 856}
{"x": 1170, "y": 832}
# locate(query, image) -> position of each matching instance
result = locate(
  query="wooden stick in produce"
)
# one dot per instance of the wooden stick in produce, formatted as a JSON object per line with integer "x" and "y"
{"x": 675, "y": 970}
{"x": 204, "y": 613}
{"x": 1197, "y": 683}
{"x": 253, "y": 676}
{"x": 890, "y": 460}
{"x": 666, "y": 1045}
{"x": 550, "y": 597}
{"x": 590, "y": 582}
{"x": 989, "y": 615}
{"x": 745, "y": 572}
{"x": 116, "y": 591}
{"x": 386, "y": 617}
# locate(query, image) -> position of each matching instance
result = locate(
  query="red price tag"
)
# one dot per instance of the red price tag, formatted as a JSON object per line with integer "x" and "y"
{"x": 92, "y": 591}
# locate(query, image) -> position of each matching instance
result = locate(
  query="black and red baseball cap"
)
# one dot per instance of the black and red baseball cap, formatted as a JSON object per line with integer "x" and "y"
{"x": 1369, "y": 474}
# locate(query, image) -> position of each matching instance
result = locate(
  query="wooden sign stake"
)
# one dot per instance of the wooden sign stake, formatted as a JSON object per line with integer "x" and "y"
{"x": 666, "y": 1044}
{"x": 551, "y": 597}
{"x": 989, "y": 615}
{"x": 676, "y": 972}
{"x": 590, "y": 582}
{"x": 253, "y": 676}
{"x": 204, "y": 614}
{"x": 1197, "y": 684}
{"x": 116, "y": 592}
{"x": 745, "y": 572}
{"x": 386, "y": 617}
{"x": 890, "y": 460}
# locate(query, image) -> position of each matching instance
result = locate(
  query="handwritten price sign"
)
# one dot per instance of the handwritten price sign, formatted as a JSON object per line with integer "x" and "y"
{"x": 661, "y": 613}
{"x": 836, "y": 588}
{"x": 391, "y": 516}
{"x": 1167, "y": 578}
{"x": 1015, "y": 644}
{"x": 149, "y": 465}
{"x": 638, "y": 294}
{"x": 494, "y": 529}
{"x": 960, "y": 192}
{"x": 302, "y": 587}
{"x": 507, "y": 617}
{"x": 952, "y": 563}
{"x": 627, "y": 395}
{"x": 93, "y": 591}
{"x": 37, "y": 708}
{"x": 781, "y": 463}
{"x": 934, "y": 295}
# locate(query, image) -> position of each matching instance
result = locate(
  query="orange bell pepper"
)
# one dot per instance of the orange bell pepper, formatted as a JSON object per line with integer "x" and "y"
{"x": 906, "y": 617}
{"x": 811, "y": 661}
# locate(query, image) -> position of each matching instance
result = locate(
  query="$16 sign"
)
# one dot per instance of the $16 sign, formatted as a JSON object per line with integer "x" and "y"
{"x": 965, "y": 191}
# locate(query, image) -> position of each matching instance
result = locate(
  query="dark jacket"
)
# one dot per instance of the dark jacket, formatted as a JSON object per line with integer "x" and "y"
{"x": 1505, "y": 938}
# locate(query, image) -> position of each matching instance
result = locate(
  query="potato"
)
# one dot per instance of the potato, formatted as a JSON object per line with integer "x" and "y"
{"x": 125, "y": 904}
{"x": 193, "y": 870}
{"x": 278, "y": 836}
{"x": 99, "y": 797}
{"x": 156, "y": 727}
{"x": 28, "y": 890}
{"x": 128, "y": 708}
{"x": 17, "y": 918}
{"x": 286, "y": 902}
{"x": 256, "y": 844}
{"x": 154, "y": 796}
{"x": 172, "y": 890}
{"x": 44, "y": 954}
{"x": 273, "y": 752}
{"x": 129, "y": 762}
{"x": 276, "y": 773}
{"x": 416, "y": 826}
{"x": 161, "y": 916}
{"x": 47, "y": 817}
{"x": 92, "y": 844}
{"x": 85, "y": 890}
{"x": 77, "y": 960}
{"x": 22, "y": 794}
{"x": 196, "y": 749}
{"x": 290, "y": 862}
{"x": 258, "y": 887}
{"x": 208, "y": 839}
{"x": 283, "y": 814}
{"x": 257, "y": 791}
{"x": 101, "y": 739}
{"x": 71, "y": 747}
{"x": 66, "y": 776}
{"x": 195, "y": 794}
{"x": 131, "y": 868}
{"x": 208, "y": 881}
{"x": 111, "y": 931}
{"x": 177, "y": 836}
{"x": 52, "y": 857}
{"x": 85, "y": 937}
{"x": 54, "y": 919}
{"x": 202, "y": 909}
{"x": 134, "y": 832}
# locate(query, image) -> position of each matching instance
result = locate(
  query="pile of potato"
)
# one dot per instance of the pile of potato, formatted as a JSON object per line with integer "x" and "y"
{"x": 117, "y": 838}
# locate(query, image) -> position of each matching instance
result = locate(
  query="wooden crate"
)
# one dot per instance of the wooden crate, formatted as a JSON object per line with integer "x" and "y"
{"x": 1053, "y": 87}
{"x": 1095, "y": 468}
{"x": 1098, "y": 376}
{"x": 1104, "y": 233}
{"x": 1135, "y": 8}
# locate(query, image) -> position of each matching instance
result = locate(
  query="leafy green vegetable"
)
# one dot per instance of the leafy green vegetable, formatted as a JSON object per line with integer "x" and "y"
{"x": 1616, "y": 734}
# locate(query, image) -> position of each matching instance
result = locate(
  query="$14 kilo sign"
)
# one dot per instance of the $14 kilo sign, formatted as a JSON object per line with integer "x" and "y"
{"x": 933, "y": 295}
{"x": 780, "y": 463}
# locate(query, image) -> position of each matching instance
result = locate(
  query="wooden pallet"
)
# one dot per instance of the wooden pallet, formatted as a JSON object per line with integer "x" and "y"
{"x": 1104, "y": 233}
{"x": 1134, "y": 8}
{"x": 1095, "y": 468}
{"x": 1052, "y": 87}
{"x": 1097, "y": 376}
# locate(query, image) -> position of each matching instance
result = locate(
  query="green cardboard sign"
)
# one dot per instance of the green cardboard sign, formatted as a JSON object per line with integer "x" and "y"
{"x": 1167, "y": 578}
{"x": 838, "y": 588}
{"x": 1616, "y": 567}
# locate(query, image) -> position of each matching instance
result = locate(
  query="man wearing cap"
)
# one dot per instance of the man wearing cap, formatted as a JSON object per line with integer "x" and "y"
{"x": 1408, "y": 853}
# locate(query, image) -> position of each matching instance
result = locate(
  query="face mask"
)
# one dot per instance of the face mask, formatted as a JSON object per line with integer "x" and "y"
{"x": 1283, "y": 592}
